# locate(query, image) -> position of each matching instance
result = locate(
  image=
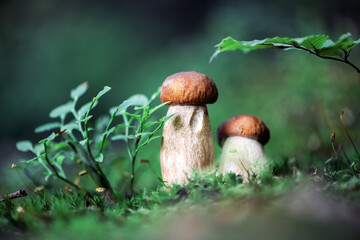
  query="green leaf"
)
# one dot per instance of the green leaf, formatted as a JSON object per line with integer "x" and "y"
{"x": 49, "y": 138}
{"x": 123, "y": 126}
{"x": 123, "y": 137}
{"x": 100, "y": 158}
{"x": 149, "y": 124}
{"x": 101, "y": 123}
{"x": 314, "y": 42}
{"x": 32, "y": 161}
{"x": 70, "y": 126}
{"x": 62, "y": 110}
{"x": 320, "y": 44}
{"x": 110, "y": 131}
{"x": 85, "y": 119}
{"x": 102, "y": 92}
{"x": 141, "y": 108}
{"x": 61, "y": 145}
{"x": 157, "y": 107}
{"x": 155, "y": 95}
{"x": 38, "y": 149}
{"x": 79, "y": 91}
{"x": 47, "y": 127}
{"x": 60, "y": 159}
{"x": 85, "y": 108}
{"x": 83, "y": 142}
{"x": 135, "y": 100}
{"x": 154, "y": 137}
{"x": 136, "y": 116}
{"x": 24, "y": 146}
{"x": 165, "y": 118}
{"x": 48, "y": 174}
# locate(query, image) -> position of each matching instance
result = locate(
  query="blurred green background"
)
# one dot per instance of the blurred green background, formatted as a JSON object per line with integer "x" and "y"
{"x": 49, "y": 47}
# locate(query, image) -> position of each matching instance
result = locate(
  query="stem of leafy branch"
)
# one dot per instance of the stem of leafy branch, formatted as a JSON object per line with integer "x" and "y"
{"x": 133, "y": 160}
{"x": 126, "y": 122}
{"x": 107, "y": 129}
{"x": 78, "y": 151}
{"x": 344, "y": 60}
{"x": 55, "y": 171}
{"x": 102, "y": 176}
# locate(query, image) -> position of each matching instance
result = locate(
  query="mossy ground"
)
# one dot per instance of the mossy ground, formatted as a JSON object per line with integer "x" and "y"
{"x": 210, "y": 207}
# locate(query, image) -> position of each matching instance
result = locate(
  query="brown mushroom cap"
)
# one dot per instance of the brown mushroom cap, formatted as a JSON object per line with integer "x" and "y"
{"x": 189, "y": 88}
{"x": 245, "y": 126}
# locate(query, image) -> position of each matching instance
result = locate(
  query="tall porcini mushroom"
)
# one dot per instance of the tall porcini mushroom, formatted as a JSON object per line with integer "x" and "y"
{"x": 187, "y": 140}
{"x": 242, "y": 138}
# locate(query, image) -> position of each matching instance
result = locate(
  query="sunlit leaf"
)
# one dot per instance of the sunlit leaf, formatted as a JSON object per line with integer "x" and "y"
{"x": 319, "y": 44}
{"x": 85, "y": 108}
{"x": 102, "y": 92}
{"x": 49, "y": 138}
{"x": 62, "y": 110}
{"x": 123, "y": 137}
{"x": 47, "y": 127}
{"x": 155, "y": 95}
{"x": 157, "y": 107}
{"x": 24, "y": 146}
{"x": 136, "y": 116}
{"x": 100, "y": 158}
{"x": 69, "y": 127}
{"x": 79, "y": 91}
{"x": 83, "y": 142}
{"x": 135, "y": 100}
{"x": 149, "y": 124}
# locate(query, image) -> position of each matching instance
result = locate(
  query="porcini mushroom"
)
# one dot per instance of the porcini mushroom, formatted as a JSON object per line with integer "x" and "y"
{"x": 242, "y": 139}
{"x": 187, "y": 140}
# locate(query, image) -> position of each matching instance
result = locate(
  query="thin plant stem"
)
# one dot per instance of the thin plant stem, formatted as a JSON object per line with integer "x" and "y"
{"x": 338, "y": 154}
{"x": 55, "y": 171}
{"x": 343, "y": 59}
{"x": 32, "y": 190}
{"x": 326, "y": 121}
{"x": 348, "y": 135}
{"x": 103, "y": 177}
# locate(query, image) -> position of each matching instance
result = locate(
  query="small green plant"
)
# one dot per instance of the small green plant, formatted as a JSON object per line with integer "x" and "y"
{"x": 79, "y": 143}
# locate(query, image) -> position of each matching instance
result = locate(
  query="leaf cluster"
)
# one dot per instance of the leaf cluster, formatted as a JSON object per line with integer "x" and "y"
{"x": 74, "y": 141}
{"x": 319, "y": 45}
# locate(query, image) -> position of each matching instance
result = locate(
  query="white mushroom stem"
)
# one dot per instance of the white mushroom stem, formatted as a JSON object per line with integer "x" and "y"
{"x": 187, "y": 144}
{"x": 243, "y": 156}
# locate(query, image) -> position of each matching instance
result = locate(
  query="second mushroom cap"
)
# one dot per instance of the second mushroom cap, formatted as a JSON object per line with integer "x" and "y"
{"x": 245, "y": 126}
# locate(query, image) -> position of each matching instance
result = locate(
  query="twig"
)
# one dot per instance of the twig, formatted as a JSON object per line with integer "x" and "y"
{"x": 17, "y": 194}
{"x": 343, "y": 60}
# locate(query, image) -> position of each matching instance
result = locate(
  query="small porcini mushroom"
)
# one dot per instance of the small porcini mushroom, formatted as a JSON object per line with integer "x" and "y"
{"x": 187, "y": 140}
{"x": 242, "y": 138}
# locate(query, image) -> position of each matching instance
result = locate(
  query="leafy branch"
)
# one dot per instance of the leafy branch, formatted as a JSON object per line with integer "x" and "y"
{"x": 319, "y": 45}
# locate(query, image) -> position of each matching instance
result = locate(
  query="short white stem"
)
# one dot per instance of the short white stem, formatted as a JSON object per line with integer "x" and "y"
{"x": 242, "y": 156}
{"x": 187, "y": 144}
